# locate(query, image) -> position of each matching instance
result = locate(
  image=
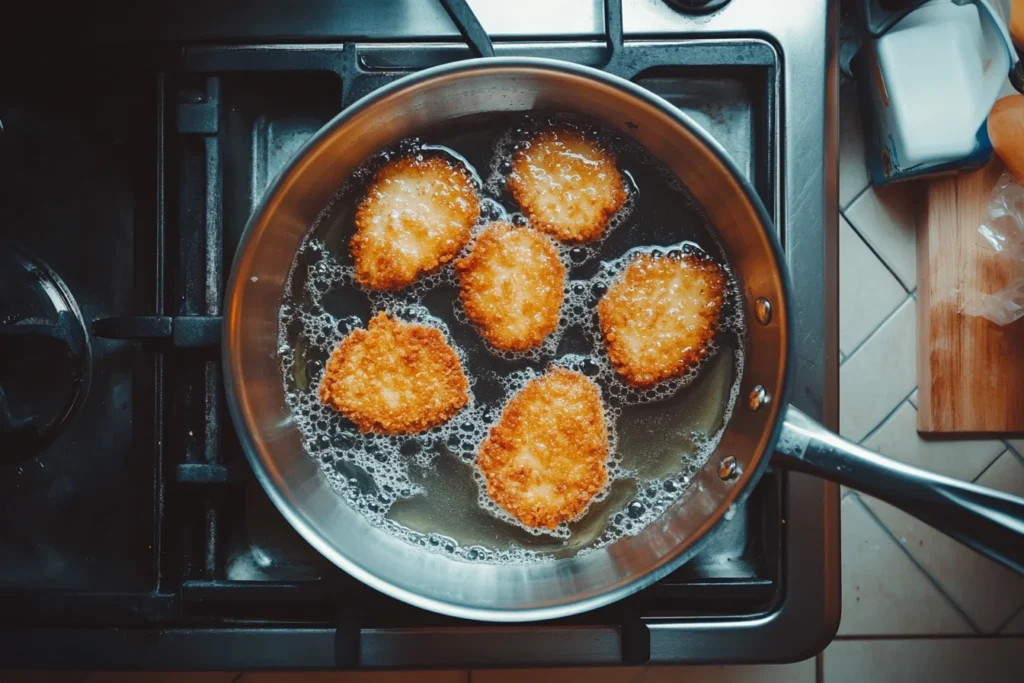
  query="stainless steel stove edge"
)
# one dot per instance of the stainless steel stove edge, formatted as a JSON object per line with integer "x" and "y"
{"x": 806, "y": 619}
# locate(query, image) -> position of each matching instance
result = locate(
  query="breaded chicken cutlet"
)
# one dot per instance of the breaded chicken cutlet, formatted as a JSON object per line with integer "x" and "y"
{"x": 545, "y": 458}
{"x": 416, "y": 215}
{"x": 512, "y": 284}
{"x": 395, "y": 378}
{"x": 567, "y": 184}
{"x": 659, "y": 316}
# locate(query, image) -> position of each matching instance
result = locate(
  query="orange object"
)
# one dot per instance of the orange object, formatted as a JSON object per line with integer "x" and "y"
{"x": 1006, "y": 131}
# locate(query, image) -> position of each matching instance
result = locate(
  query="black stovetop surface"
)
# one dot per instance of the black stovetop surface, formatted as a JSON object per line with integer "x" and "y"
{"x": 132, "y": 181}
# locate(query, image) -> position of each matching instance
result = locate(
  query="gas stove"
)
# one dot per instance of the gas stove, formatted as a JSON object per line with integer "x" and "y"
{"x": 132, "y": 532}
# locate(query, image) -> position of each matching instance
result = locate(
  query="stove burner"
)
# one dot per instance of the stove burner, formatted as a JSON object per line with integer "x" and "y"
{"x": 696, "y": 6}
{"x": 44, "y": 355}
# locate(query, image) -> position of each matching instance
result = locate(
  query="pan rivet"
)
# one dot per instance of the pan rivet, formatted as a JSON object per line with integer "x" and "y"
{"x": 727, "y": 468}
{"x": 758, "y": 398}
{"x": 763, "y": 310}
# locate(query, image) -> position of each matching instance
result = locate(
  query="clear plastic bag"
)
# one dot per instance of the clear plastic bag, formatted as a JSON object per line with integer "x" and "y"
{"x": 1002, "y": 231}
{"x": 1002, "y": 227}
{"x": 1003, "y": 307}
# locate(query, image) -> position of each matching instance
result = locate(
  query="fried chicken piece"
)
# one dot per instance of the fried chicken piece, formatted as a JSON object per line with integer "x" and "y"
{"x": 545, "y": 459}
{"x": 660, "y": 315}
{"x": 395, "y": 378}
{"x": 416, "y": 216}
{"x": 512, "y": 286}
{"x": 567, "y": 185}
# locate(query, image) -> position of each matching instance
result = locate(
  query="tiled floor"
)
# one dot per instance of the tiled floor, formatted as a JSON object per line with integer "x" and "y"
{"x": 917, "y": 606}
{"x": 907, "y": 588}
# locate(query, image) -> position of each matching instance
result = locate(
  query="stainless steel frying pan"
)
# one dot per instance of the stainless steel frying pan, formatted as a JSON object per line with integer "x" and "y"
{"x": 762, "y": 425}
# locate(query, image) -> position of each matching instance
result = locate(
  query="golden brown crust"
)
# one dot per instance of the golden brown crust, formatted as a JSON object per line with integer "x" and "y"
{"x": 416, "y": 216}
{"x": 512, "y": 284}
{"x": 395, "y": 378}
{"x": 660, "y": 315}
{"x": 567, "y": 184}
{"x": 545, "y": 459}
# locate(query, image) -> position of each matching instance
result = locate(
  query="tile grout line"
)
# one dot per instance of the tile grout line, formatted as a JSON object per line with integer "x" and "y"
{"x": 1013, "y": 450}
{"x": 879, "y": 326}
{"x": 1009, "y": 620}
{"x": 989, "y": 466}
{"x": 934, "y": 582}
{"x": 881, "y": 423}
{"x": 847, "y": 356}
{"x": 853, "y": 201}
{"x": 1013, "y": 454}
{"x": 878, "y": 256}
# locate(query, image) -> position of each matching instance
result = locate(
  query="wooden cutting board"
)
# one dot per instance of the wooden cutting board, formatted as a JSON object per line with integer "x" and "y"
{"x": 970, "y": 370}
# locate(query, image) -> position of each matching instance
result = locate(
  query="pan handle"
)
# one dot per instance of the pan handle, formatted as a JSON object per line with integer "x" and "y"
{"x": 990, "y": 522}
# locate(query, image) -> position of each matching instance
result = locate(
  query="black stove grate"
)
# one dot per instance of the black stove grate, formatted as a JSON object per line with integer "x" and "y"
{"x": 211, "y": 127}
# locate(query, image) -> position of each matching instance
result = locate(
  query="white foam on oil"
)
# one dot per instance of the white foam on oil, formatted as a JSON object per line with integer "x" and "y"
{"x": 372, "y": 471}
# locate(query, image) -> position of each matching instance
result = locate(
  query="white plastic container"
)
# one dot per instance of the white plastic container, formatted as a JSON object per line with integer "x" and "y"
{"x": 928, "y": 84}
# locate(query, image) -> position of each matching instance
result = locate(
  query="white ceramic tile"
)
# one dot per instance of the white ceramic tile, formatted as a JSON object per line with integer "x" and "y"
{"x": 898, "y": 438}
{"x": 913, "y": 398}
{"x": 880, "y": 374}
{"x": 868, "y": 292}
{"x": 988, "y": 593}
{"x": 1017, "y": 445}
{"x": 933, "y": 660}
{"x": 884, "y": 216}
{"x": 853, "y": 171}
{"x": 1016, "y": 625}
{"x": 1005, "y": 474}
{"x": 801, "y": 672}
{"x": 884, "y": 593}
